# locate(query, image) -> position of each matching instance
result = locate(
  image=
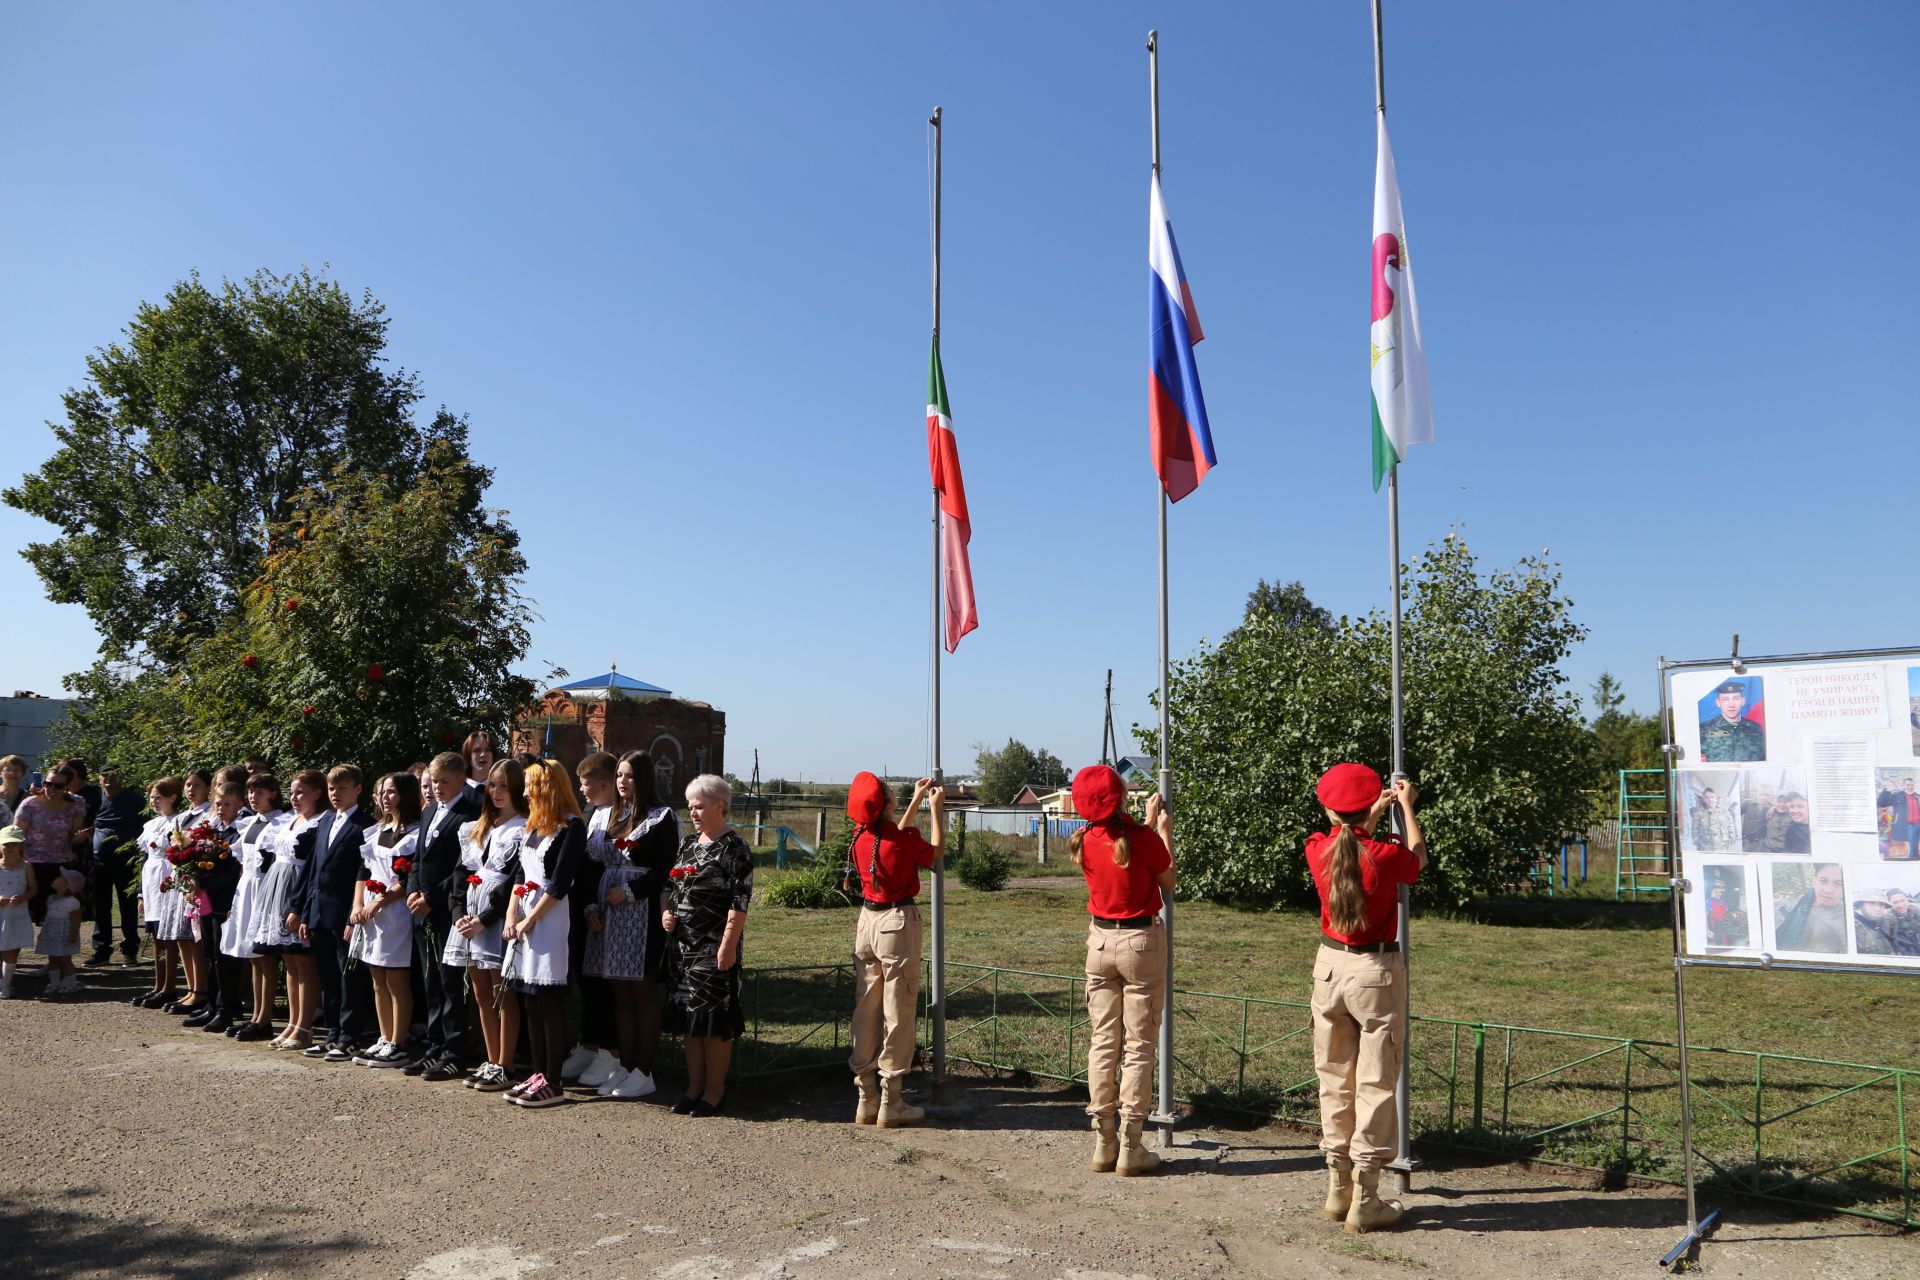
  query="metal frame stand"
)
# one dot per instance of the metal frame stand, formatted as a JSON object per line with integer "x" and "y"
{"x": 1698, "y": 1226}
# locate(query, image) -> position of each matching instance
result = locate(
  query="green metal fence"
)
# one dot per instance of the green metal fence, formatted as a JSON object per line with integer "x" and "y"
{"x": 1806, "y": 1131}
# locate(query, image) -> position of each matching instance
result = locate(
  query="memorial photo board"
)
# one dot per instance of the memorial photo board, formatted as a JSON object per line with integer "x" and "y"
{"x": 1796, "y": 808}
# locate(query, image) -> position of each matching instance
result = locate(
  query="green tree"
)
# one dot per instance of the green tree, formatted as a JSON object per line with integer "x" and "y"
{"x": 192, "y": 439}
{"x": 1004, "y": 771}
{"x": 1493, "y": 735}
{"x": 1288, "y": 606}
{"x": 1622, "y": 739}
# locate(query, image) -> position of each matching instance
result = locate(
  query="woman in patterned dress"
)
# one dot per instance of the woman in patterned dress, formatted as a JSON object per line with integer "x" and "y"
{"x": 634, "y": 841}
{"x": 710, "y": 887}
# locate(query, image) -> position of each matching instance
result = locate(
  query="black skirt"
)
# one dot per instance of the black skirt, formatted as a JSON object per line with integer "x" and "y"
{"x": 702, "y": 999}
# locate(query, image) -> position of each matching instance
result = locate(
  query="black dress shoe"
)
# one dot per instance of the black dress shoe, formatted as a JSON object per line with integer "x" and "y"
{"x": 100, "y": 957}
{"x": 217, "y": 1025}
{"x": 139, "y": 1000}
{"x": 685, "y": 1107}
{"x": 202, "y": 1015}
{"x": 179, "y": 1005}
{"x": 705, "y": 1108}
{"x": 156, "y": 999}
{"x": 238, "y": 1027}
{"x": 254, "y": 1031}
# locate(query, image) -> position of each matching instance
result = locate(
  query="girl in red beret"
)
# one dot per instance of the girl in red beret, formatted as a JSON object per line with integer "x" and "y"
{"x": 1127, "y": 866}
{"x": 1359, "y": 985}
{"x": 887, "y": 859}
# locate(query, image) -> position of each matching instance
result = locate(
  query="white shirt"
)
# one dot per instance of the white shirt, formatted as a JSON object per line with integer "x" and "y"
{"x": 339, "y": 824}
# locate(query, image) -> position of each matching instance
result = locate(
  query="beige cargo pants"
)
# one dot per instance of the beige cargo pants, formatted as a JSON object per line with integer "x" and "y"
{"x": 1126, "y": 987}
{"x": 886, "y": 983}
{"x": 1359, "y": 1033}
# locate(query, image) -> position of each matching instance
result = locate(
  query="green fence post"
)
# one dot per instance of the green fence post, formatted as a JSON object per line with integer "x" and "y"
{"x": 1759, "y": 1089}
{"x": 1626, "y": 1105}
{"x": 1906, "y": 1177}
{"x": 1479, "y": 1077}
{"x": 1453, "y": 1081}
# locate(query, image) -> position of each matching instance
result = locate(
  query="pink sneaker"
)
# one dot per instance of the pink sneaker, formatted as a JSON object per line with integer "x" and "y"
{"x": 532, "y": 1083}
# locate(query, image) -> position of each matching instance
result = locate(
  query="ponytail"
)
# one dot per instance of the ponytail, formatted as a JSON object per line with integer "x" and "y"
{"x": 1346, "y": 892}
{"x": 1117, "y": 828}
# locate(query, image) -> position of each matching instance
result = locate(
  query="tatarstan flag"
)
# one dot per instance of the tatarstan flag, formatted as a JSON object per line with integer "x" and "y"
{"x": 943, "y": 457}
{"x": 1402, "y": 402}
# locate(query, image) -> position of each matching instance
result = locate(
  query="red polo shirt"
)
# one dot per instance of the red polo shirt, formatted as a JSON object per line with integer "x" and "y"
{"x": 1122, "y": 893}
{"x": 1385, "y": 865}
{"x": 889, "y": 859}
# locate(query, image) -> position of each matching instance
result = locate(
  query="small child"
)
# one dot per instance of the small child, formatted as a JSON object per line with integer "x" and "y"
{"x": 16, "y": 887}
{"x": 60, "y": 933}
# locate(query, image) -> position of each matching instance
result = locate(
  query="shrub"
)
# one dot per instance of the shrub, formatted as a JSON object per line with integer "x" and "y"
{"x": 813, "y": 887}
{"x": 983, "y": 867}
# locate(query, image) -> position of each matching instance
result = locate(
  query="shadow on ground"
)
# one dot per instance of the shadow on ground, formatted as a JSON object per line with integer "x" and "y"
{"x": 48, "y": 1238}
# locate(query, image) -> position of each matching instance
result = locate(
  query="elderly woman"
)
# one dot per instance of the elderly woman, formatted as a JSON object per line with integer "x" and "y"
{"x": 708, "y": 891}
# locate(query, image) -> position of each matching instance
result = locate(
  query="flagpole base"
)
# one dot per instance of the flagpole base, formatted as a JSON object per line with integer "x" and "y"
{"x": 1164, "y": 1122}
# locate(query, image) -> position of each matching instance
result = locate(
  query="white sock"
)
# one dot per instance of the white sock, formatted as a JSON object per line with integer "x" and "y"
{"x": 6, "y": 974}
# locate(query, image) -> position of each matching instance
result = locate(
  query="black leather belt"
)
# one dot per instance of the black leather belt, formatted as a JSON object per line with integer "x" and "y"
{"x": 1367, "y": 949}
{"x": 887, "y": 906}
{"x": 1131, "y": 922}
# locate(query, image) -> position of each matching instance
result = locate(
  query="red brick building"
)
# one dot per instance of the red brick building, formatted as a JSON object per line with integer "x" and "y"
{"x": 618, "y": 714}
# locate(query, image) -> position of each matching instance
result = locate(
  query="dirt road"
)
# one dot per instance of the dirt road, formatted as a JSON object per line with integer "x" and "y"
{"x": 140, "y": 1149}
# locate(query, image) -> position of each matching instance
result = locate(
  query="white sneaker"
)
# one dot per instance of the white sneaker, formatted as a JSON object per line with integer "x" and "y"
{"x": 6, "y": 993}
{"x": 613, "y": 1082}
{"x": 601, "y": 1068}
{"x": 577, "y": 1061}
{"x": 391, "y": 1056}
{"x": 368, "y": 1056}
{"x": 635, "y": 1084}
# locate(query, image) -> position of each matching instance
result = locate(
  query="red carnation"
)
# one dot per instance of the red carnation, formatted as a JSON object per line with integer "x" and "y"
{"x": 307, "y": 710}
{"x": 680, "y": 873}
{"x": 375, "y": 886}
{"x": 623, "y": 844}
{"x": 292, "y": 604}
{"x": 403, "y": 866}
{"x": 375, "y": 673}
{"x": 473, "y": 879}
{"x": 249, "y": 662}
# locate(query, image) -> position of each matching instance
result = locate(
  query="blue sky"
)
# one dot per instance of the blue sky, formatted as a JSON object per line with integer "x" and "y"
{"x": 672, "y": 260}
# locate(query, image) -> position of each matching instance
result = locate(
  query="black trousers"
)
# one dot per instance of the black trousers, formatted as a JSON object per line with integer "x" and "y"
{"x": 446, "y": 990}
{"x": 346, "y": 995}
{"x": 596, "y": 1001}
{"x": 110, "y": 881}
{"x": 230, "y": 984}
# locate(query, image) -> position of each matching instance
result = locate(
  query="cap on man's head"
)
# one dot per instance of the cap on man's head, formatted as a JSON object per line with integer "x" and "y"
{"x": 1731, "y": 686}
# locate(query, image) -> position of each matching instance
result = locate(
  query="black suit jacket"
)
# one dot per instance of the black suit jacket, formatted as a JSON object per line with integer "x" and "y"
{"x": 334, "y": 870}
{"x": 437, "y": 863}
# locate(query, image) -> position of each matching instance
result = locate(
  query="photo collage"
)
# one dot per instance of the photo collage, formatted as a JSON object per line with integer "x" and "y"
{"x": 1797, "y": 809}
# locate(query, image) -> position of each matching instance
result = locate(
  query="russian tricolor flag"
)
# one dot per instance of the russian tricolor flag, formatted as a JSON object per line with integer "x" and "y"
{"x": 1176, "y": 411}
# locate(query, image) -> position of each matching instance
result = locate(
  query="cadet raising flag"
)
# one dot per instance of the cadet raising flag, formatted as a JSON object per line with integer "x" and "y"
{"x": 1402, "y": 408}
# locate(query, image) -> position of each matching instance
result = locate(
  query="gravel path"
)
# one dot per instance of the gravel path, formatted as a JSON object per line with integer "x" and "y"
{"x": 140, "y": 1149}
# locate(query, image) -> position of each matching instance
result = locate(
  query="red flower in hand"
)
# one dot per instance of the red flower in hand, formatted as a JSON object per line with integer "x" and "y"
{"x": 374, "y": 886}
{"x": 473, "y": 879}
{"x": 249, "y": 662}
{"x": 680, "y": 873}
{"x": 403, "y": 866}
{"x": 623, "y": 844}
{"x": 375, "y": 673}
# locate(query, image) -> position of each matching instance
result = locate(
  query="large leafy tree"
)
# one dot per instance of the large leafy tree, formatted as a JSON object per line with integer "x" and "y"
{"x": 1493, "y": 734}
{"x": 1004, "y": 770}
{"x": 278, "y": 556}
{"x": 191, "y": 439}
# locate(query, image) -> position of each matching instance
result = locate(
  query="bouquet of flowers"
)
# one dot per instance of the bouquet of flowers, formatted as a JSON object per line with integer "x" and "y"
{"x": 194, "y": 853}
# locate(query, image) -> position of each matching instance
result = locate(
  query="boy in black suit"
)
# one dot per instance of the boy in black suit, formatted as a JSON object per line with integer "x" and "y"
{"x": 346, "y": 995}
{"x": 436, "y": 865}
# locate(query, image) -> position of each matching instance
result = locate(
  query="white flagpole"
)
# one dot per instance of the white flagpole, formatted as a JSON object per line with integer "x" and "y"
{"x": 937, "y": 994}
{"x": 1403, "y": 1163}
{"x": 1163, "y": 1116}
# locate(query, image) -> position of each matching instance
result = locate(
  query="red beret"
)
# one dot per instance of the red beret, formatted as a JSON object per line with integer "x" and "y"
{"x": 1349, "y": 788}
{"x": 1098, "y": 793}
{"x": 866, "y": 799}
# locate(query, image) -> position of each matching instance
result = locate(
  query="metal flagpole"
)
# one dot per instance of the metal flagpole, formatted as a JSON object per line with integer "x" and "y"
{"x": 1403, "y": 1163}
{"x": 1163, "y": 1116}
{"x": 937, "y": 996}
